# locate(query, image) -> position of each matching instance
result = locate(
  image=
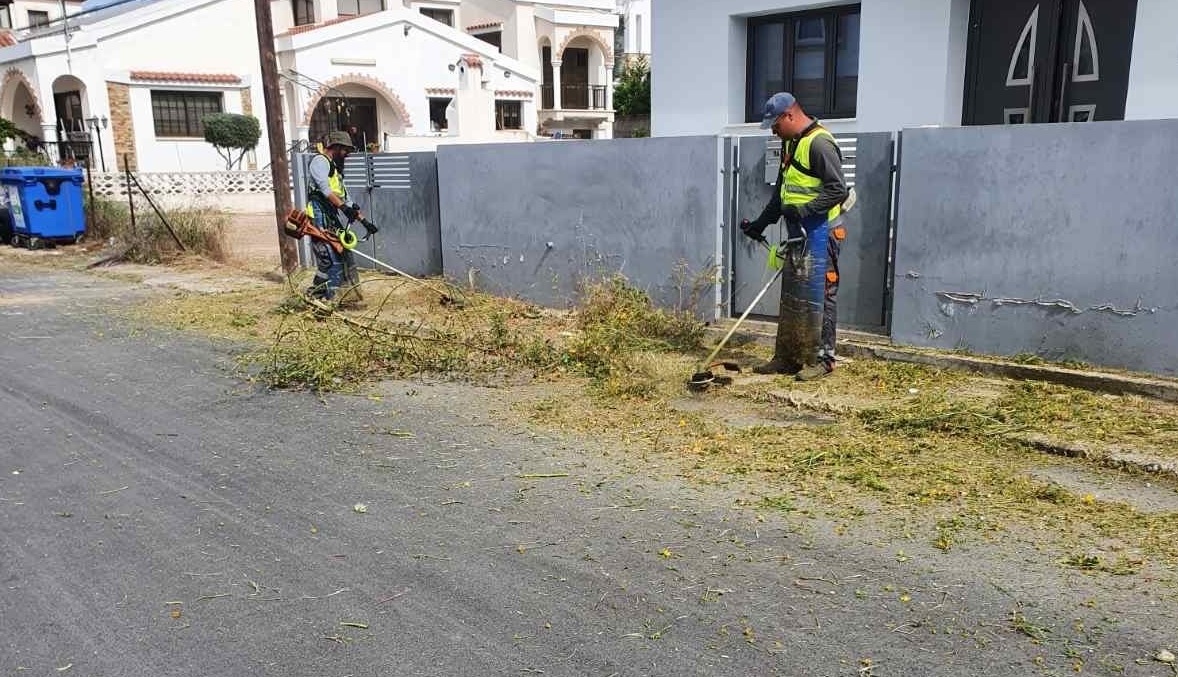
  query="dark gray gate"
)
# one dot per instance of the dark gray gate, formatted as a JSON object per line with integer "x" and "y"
{"x": 865, "y": 255}
{"x": 399, "y": 193}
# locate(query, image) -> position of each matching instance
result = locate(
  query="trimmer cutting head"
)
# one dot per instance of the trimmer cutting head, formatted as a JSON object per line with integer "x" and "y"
{"x": 702, "y": 380}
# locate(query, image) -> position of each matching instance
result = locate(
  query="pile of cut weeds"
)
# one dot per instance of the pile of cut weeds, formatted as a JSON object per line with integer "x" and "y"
{"x": 938, "y": 454}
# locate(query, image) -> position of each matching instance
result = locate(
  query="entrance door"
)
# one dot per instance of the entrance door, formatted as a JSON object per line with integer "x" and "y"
{"x": 1048, "y": 61}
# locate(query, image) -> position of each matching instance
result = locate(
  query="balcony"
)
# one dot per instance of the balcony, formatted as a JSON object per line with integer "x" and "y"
{"x": 574, "y": 97}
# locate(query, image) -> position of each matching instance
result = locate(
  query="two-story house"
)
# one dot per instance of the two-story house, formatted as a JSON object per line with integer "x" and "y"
{"x": 139, "y": 77}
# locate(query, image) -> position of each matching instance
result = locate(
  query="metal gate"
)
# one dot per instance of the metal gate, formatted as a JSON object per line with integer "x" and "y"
{"x": 399, "y": 193}
{"x": 750, "y": 167}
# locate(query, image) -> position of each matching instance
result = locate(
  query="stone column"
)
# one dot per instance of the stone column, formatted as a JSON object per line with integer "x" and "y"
{"x": 556, "y": 84}
{"x": 122, "y": 125}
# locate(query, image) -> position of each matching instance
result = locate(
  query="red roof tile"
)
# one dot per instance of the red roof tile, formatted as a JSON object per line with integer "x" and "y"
{"x": 472, "y": 60}
{"x": 310, "y": 27}
{"x": 7, "y": 39}
{"x": 514, "y": 92}
{"x": 441, "y": 90}
{"x": 478, "y": 27}
{"x": 196, "y": 78}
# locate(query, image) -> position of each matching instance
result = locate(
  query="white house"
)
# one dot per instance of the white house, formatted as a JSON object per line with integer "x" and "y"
{"x": 140, "y": 76}
{"x": 882, "y": 65}
{"x": 21, "y": 14}
{"x": 635, "y": 28}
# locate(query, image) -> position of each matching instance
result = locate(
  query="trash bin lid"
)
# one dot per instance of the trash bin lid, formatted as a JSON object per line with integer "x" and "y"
{"x": 21, "y": 174}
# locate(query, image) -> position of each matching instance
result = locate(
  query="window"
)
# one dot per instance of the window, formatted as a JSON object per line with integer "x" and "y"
{"x": 814, "y": 55}
{"x": 492, "y": 38}
{"x": 509, "y": 115}
{"x": 37, "y": 18}
{"x": 304, "y": 12}
{"x": 360, "y": 7}
{"x": 182, "y": 113}
{"x": 446, "y": 16}
{"x": 5, "y": 16}
{"x": 437, "y": 113}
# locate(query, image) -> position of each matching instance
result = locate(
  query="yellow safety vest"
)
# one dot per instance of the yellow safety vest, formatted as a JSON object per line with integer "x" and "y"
{"x": 335, "y": 179}
{"x": 799, "y": 186}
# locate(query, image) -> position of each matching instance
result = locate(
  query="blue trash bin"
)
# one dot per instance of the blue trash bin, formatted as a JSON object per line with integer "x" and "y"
{"x": 46, "y": 205}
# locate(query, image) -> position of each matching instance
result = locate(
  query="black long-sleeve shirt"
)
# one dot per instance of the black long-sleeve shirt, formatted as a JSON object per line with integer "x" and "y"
{"x": 826, "y": 161}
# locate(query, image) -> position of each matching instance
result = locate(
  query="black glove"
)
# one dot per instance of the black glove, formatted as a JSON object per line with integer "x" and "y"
{"x": 351, "y": 211}
{"x": 753, "y": 230}
{"x": 791, "y": 213}
{"x": 369, "y": 227}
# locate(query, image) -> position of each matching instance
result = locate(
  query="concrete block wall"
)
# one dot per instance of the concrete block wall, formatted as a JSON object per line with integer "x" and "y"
{"x": 1054, "y": 240}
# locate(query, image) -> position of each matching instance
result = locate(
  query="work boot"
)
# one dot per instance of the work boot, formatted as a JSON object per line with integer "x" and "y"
{"x": 816, "y": 371}
{"x": 777, "y": 365}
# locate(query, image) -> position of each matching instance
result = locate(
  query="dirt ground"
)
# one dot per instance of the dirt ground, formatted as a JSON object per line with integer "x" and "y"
{"x": 254, "y": 240}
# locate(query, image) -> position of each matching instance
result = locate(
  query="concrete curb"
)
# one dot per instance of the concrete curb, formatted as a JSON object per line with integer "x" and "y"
{"x": 863, "y": 345}
{"x": 1115, "y": 457}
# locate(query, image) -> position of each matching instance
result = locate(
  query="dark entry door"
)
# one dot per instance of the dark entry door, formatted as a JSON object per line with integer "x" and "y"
{"x": 1048, "y": 60}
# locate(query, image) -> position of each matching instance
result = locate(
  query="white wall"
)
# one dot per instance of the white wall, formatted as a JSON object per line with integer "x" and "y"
{"x": 911, "y": 63}
{"x": 170, "y": 154}
{"x": 637, "y": 17}
{"x": 1153, "y": 73}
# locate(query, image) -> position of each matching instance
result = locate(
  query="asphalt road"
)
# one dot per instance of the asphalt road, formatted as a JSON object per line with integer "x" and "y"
{"x": 159, "y": 516}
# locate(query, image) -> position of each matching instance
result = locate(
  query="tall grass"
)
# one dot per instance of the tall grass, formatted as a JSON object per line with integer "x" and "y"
{"x": 201, "y": 230}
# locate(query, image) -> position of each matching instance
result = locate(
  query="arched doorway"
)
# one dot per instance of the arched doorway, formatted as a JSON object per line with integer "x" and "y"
{"x": 19, "y": 104}
{"x": 70, "y": 111}
{"x": 367, "y": 110}
{"x": 583, "y": 72}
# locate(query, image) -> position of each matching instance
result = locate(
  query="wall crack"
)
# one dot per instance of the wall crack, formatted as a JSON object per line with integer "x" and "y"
{"x": 974, "y": 298}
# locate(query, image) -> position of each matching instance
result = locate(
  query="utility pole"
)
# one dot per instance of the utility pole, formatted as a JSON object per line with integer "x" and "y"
{"x": 279, "y": 169}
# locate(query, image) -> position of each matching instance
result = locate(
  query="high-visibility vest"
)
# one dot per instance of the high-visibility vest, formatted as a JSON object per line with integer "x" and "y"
{"x": 799, "y": 185}
{"x": 335, "y": 179}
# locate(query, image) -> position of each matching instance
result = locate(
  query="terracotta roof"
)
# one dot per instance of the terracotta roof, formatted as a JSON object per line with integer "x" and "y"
{"x": 513, "y": 92}
{"x": 441, "y": 90}
{"x": 7, "y": 39}
{"x": 472, "y": 60}
{"x": 195, "y": 78}
{"x": 479, "y": 27}
{"x": 310, "y": 27}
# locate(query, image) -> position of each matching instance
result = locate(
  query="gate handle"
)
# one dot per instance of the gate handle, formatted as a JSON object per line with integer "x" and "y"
{"x": 51, "y": 204}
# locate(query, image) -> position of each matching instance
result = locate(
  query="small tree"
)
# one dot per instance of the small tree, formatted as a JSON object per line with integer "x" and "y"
{"x": 632, "y": 94}
{"x": 232, "y": 135}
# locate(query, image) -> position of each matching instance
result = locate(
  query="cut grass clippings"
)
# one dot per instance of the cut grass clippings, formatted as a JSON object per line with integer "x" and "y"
{"x": 938, "y": 449}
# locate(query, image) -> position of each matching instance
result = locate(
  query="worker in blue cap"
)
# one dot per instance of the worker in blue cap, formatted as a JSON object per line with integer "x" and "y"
{"x": 808, "y": 195}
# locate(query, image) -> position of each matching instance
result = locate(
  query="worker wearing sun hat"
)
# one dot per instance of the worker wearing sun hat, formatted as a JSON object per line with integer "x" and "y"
{"x": 327, "y": 201}
{"x": 808, "y": 195}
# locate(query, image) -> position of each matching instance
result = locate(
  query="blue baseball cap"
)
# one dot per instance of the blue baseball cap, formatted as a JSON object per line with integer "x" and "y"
{"x": 775, "y": 106}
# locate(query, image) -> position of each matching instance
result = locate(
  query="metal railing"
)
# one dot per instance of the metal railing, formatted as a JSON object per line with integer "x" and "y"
{"x": 574, "y": 97}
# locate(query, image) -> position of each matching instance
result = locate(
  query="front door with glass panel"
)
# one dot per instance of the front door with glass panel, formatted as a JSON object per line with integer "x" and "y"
{"x": 1048, "y": 61}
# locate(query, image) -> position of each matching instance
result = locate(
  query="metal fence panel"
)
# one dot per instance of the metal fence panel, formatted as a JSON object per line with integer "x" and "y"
{"x": 864, "y": 257}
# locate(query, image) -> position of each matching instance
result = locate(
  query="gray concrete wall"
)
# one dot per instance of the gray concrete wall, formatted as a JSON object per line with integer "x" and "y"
{"x": 533, "y": 220}
{"x": 1056, "y": 240}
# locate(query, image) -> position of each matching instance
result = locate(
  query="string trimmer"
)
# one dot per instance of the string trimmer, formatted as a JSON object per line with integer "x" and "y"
{"x": 299, "y": 223}
{"x": 704, "y": 377}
